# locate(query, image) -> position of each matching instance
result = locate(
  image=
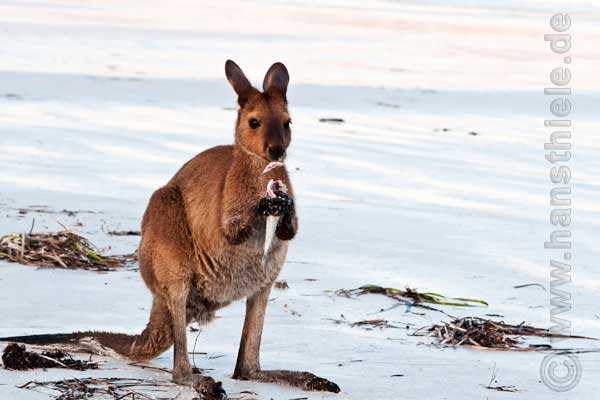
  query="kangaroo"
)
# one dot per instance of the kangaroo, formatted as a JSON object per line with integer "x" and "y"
{"x": 202, "y": 241}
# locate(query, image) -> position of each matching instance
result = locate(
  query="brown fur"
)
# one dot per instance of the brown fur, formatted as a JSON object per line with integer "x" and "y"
{"x": 202, "y": 238}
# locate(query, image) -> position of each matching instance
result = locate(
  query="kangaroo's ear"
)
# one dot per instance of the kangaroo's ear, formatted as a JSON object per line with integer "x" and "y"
{"x": 238, "y": 81}
{"x": 276, "y": 79}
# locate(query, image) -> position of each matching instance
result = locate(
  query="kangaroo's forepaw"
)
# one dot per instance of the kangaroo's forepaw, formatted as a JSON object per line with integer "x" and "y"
{"x": 208, "y": 388}
{"x": 302, "y": 380}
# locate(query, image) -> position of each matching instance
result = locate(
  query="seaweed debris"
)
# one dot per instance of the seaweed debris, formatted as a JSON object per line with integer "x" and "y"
{"x": 17, "y": 357}
{"x": 486, "y": 334}
{"x": 100, "y": 388}
{"x": 411, "y": 297}
{"x": 63, "y": 249}
{"x": 367, "y": 324}
{"x": 125, "y": 233}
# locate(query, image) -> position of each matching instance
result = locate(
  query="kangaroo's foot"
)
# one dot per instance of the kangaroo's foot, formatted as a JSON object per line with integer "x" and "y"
{"x": 302, "y": 380}
{"x": 208, "y": 388}
{"x": 204, "y": 385}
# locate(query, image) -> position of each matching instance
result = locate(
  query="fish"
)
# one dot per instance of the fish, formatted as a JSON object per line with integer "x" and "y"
{"x": 273, "y": 186}
{"x": 270, "y": 228}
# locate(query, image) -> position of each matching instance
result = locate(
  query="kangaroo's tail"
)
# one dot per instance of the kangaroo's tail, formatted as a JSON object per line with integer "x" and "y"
{"x": 102, "y": 343}
{"x": 154, "y": 340}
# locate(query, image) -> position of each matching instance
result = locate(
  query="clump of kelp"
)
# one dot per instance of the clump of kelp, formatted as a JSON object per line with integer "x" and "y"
{"x": 411, "y": 297}
{"x": 63, "y": 249}
{"x": 480, "y": 333}
{"x": 17, "y": 357}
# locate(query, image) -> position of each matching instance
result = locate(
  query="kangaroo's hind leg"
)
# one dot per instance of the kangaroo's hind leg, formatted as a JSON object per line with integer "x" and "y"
{"x": 248, "y": 362}
{"x": 166, "y": 263}
{"x": 182, "y": 370}
{"x": 166, "y": 257}
{"x": 199, "y": 311}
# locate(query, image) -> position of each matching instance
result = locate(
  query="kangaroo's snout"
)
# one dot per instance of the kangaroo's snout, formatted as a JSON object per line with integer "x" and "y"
{"x": 275, "y": 152}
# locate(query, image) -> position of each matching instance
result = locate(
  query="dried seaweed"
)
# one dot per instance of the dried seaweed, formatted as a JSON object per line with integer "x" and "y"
{"x": 125, "y": 233}
{"x": 99, "y": 388}
{"x": 45, "y": 210}
{"x": 530, "y": 285}
{"x": 17, "y": 357}
{"x": 487, "y": 334}
{"x": 412, "y": 298}
{"x": 332, "y": 120}
{"x": 373, "y": 323}
{"x": 63, "y": 249}
{"x": 367, "y": 324}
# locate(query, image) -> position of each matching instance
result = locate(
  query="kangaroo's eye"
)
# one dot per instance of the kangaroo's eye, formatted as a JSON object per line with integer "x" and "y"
{"x": 253, "y": 122}
{"x": 287, "y": 124}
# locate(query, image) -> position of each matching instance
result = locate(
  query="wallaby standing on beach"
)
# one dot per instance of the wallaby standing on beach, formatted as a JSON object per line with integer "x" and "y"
{"x": 202, "y": 240}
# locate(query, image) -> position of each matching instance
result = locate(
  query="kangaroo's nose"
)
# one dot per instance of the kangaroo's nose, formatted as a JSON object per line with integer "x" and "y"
{"x": 275, "y": 152}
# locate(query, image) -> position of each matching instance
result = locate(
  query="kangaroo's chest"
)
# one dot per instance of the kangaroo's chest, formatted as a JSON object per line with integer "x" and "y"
{"x": 235, "y": 272}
